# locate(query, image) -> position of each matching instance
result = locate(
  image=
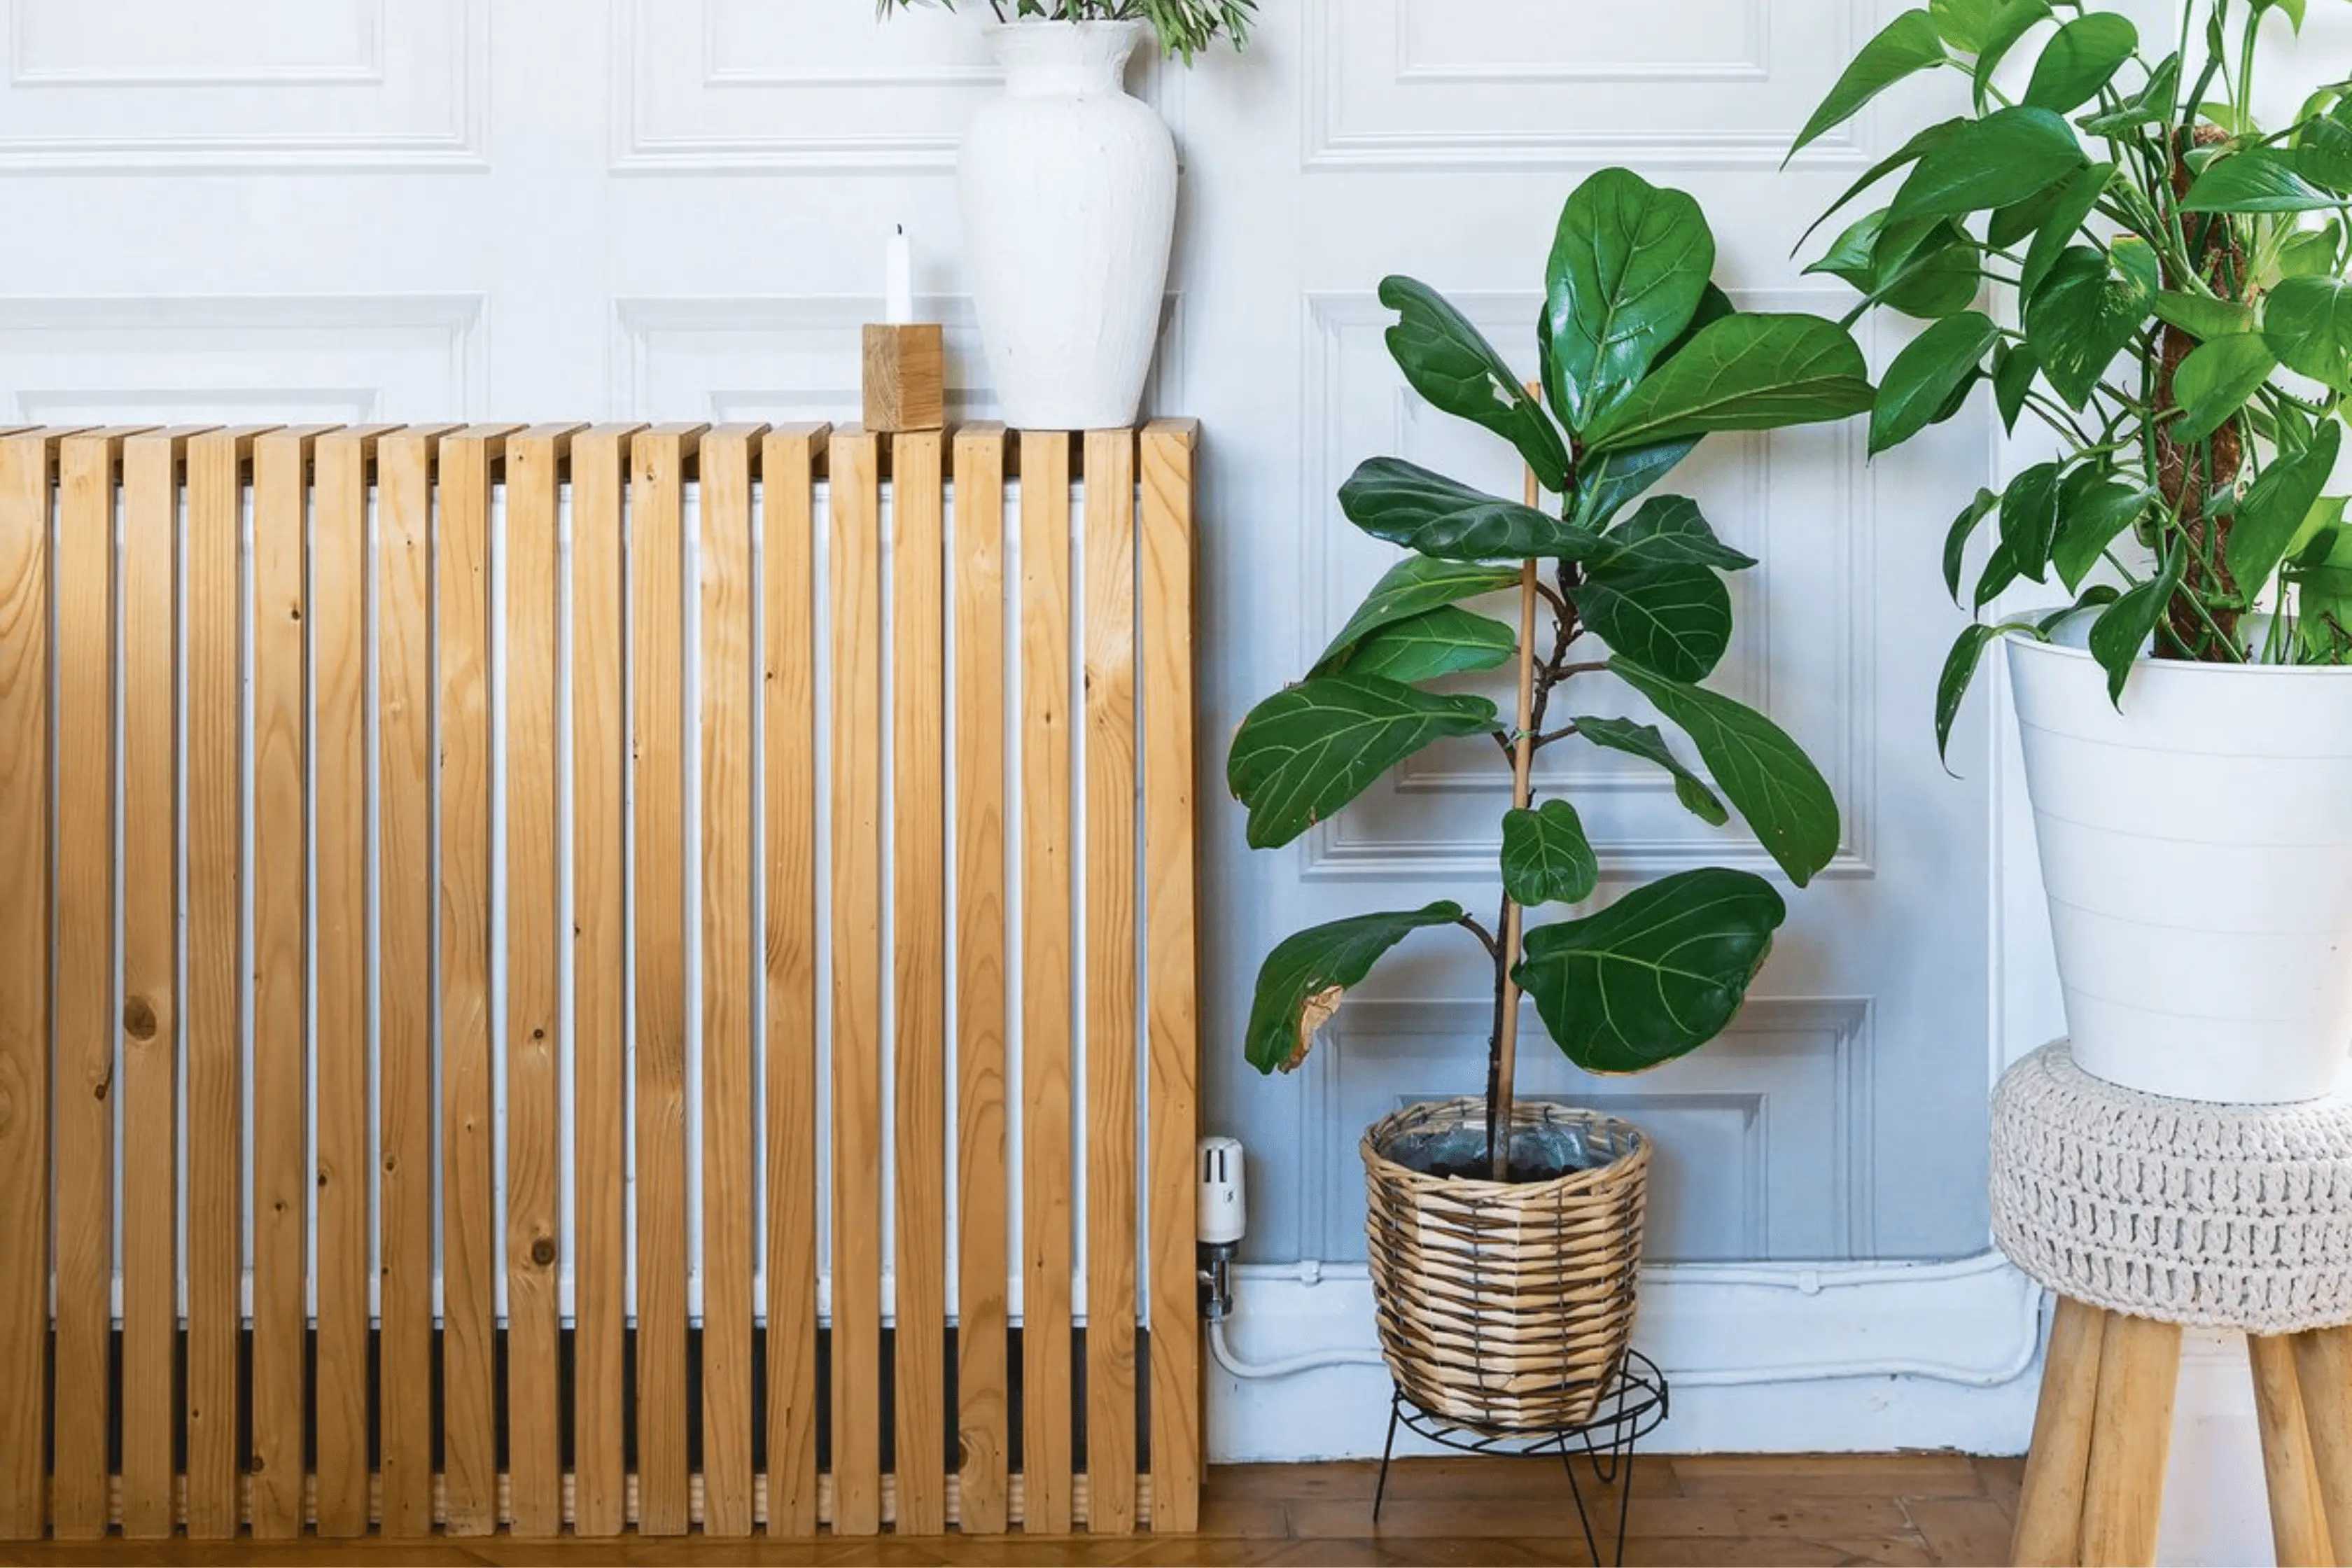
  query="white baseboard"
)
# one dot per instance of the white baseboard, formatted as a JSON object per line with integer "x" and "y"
{"x": 1767, "y": 1358}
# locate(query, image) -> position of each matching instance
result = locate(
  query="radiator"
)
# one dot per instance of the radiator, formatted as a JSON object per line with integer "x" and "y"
{"x": 571, "y": 977}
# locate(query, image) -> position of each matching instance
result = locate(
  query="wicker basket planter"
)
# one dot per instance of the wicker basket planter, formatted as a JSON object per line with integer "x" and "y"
{"x": 1506, "y": 1305}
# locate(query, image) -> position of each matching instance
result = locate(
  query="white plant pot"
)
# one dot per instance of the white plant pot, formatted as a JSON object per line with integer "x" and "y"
{"x": 2197, "y": 848}
{"x": 1069, "y": 211}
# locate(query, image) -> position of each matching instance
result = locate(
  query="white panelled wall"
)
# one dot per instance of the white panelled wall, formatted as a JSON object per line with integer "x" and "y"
{"x": 352, "y": 210}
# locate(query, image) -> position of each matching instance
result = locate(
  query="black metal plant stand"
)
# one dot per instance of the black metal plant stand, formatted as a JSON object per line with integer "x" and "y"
{"x": 1631, "y": 1409}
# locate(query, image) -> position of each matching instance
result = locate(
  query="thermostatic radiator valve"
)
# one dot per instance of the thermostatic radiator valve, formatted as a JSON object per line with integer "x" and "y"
{"x": 1222, "y": 1222}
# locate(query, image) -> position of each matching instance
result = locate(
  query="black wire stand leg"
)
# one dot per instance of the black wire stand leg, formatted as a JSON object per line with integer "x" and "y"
{"x": 1633, "y": 1406}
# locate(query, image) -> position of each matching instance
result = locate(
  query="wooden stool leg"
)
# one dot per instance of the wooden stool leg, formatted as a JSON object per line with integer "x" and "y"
{"x": 2298, "y": 1523}
{"x": 2050, "y": 1508}
{"x": 2323, "y": 1365}
{"x": 2139, "y": 1368}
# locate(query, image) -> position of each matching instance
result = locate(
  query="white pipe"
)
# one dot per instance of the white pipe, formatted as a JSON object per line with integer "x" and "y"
{"x": 1290, "y": 1366}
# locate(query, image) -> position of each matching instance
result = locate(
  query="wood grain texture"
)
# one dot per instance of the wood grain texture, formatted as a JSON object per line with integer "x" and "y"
{"x": 217, "y": 468}
{"x": 2122, "y": 1493}
{"x": 919, "y": 904}
{"x": 658, "y": 463}
{"x": 1111, "y": 998}
{"x": 1049, "y": 938}
{"x": 983, "y": 1259}
{"x": 83, "y": 1110}
{"x": 2050, "y": 1516}
{"x": 727, "y": 466}
{"x": 339, "y": 577}
{"x": 1172, "y": 979}
{"x": 461, "y": 627}
{"x": 151, "y": 980}
{"x": 27, "y": 480}
{"x": 2323, "y": 1364}
{"x": 789, "y": 462}
{"x": 2298, "y": 1517}
{"x": 600, "y": 762}
{"x": 281, "y": 1158}
{"x": 404, "y": 1019}
{"x": 535, "y": 461}
{"x": 856, "y": 697}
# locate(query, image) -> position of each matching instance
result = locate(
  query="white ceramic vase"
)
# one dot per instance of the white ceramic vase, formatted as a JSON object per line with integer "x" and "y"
{"x": 1069, "y": 210}
{"x": 2197, "y": 848}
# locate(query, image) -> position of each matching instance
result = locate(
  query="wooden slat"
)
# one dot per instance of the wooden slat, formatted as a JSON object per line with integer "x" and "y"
{"x": 1110, "y": 1054}
{"x": 919, "y": 899}
{"x": 88, "y": 466}
{"x": 281, "y": 1169}
{"x": 982, "y": 1258}
{"x": 788, "y": 586}
{"x": 728, "y": 693}
{"x": 404, "y": 1019}
{"x": 599, "y": 844}
{"x": 339, "y": 577}
{"x": 151, "y": 981}
{"x": 534, "y": 1231}
{"x": 216, "y": 466}
{"x": 658, "y": 463}
{"x": 461, "y": 624}
{"x": 1172, "y": 971}
{"x": 856, "y": 599}
{"x": 1048, "y": 933}
{"x": 28, "y": 474}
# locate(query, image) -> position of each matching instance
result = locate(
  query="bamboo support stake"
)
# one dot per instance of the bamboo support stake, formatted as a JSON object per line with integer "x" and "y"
{"x": 1523, "y": 757}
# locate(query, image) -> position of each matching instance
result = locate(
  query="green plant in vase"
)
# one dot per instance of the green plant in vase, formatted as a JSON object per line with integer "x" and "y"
{"x": 1642, "y": 358}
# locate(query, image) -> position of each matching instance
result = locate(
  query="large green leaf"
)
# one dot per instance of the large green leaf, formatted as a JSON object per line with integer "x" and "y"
{"x": 1406, "y": 504}
{"x": 2093, "y": 509}
{"x": 1904, "y": 47}
{"x": 1413, "y": 587}
{"x": 2079, "y": 319}
{"x": 1450, "y": 362}
{"x": 2120, "y": 634}
{"x": 2073, "y": 208}
{"x": 2010, "y": 24}
{"x": 1959, "y": 673}
{"x": 1302, "y": 981}
{"x": 2014, "y": 370}
{"x": 2262, "y": 180}
{"x": 2080, "y": 59}
{"x": 1546, "y": 859}
{"x": 1656, "y": 975}
{"x": 1609, "y": 482}
{"x": 1672, "y": 529}
{"x": 2323, "y": 154}
{"x": 1645, "y": 742}
{"x": 1672, "y": 617}
{"x": 1757, "y": 372}
{"x": 2007, "y": 156}
{"x": 1924, "y": 377}
{"x": 2309, "y": 323}
{"x": 2202, "y": 316}
{"x": 1768, "y": 778}
{"x": 1448, "y": 640}
{"x": 1305, "y": 752}
{"x": 2215, "y": 380}
{"x": 2029, "y": 519}
{"x": 1629, "y": 266}
{"x": 2276, "y": 506}
{"x": 2153, "y": 104}
{"x": 1911, "y": 151}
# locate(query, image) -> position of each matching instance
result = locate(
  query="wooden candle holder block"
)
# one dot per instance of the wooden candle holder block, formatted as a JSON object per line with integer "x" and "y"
{"x": 905, "y": 378}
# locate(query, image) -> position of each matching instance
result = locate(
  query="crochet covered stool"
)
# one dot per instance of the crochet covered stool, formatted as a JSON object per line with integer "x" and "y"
{"x": 2144, "y": 1214}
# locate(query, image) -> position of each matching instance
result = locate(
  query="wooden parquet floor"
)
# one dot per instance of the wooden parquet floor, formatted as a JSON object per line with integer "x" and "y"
{"x": 1764, "y": 1510}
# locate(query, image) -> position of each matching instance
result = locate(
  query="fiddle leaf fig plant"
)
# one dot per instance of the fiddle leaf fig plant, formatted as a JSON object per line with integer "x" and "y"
{"x": 1642, "y": 356}
{"x": 2181, "y": 321}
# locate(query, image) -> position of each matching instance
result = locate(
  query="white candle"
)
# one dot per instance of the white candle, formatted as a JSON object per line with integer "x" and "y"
{"x": 898, "y": 308}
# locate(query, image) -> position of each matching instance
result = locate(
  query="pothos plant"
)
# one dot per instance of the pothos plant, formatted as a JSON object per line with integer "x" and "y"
{"x": 1185, "y": 27}
{"x": 1642, "y": 356}
{"x": 2183, "y": 320}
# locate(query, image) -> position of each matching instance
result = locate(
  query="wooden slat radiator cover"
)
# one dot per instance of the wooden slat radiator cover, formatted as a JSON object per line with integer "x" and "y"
{"x": 574, "y": 978}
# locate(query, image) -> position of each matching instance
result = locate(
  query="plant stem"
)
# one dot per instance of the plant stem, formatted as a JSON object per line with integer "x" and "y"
{"x": 1506, "y": 991}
